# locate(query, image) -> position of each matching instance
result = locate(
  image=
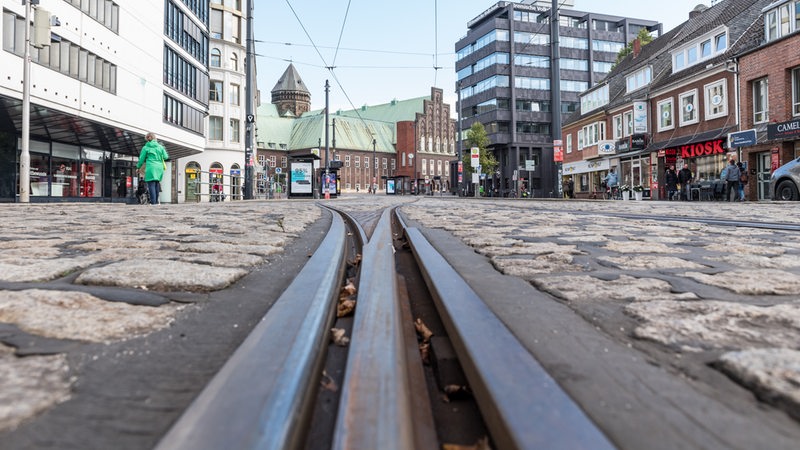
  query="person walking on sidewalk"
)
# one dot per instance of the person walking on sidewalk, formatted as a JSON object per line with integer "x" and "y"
{"x": 732, "y": 178}
{"x": 152, "y": 157}
{"x": 685, "y": 179}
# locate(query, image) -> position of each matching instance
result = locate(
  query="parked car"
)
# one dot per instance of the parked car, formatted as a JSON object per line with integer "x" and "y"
{"x": 785, "y": 181}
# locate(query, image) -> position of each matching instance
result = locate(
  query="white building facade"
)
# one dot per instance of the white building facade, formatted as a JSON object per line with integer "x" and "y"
{"x": 114, "y": 71}
{"x": 217, "y": 174}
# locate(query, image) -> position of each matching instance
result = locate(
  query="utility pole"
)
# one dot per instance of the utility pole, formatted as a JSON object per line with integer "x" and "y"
{"x": 374, "y": 163}
{"x": 25, "y": 153}
{"x": 248, "y": 134}
{"x": 325, "y": 179}
{"x": 459, "y": 173}
{"x": 555, "y": 92}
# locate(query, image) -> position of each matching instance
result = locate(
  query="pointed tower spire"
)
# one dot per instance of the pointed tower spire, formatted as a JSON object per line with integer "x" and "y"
{"x": 290, "y": 93}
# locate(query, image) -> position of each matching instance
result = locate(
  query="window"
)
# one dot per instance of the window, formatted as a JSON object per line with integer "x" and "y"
{"x": 284, "y": 161}
{"x": 760, "y": 100}
{"x": 569, "y": 143}
{"x": 594, "y": 99}
{"x": 639, "y": 79}
{"x": 796, "y": 91}
{"x": 215, "y": 91}
{"x": 594, "y": 133}
{"x": 366, "y": 162}
{"x": 627, "y": 124}
{"x": 532, "y": 83}
{"x": 235, "y": 94}
{"x": 236, "y": 27}
{"x": 347, "y": 160}
{"x": 616, "y": 123}
{"x": 665, "y": 116}
{"x": 216, "y": 57}
{"x": 688, "y": 105}
{"x": 424, "y": 165}
{"x": 234, "y": 130}
{"x": 708, "y": 46}
{"x": 358, "y": 162}
{"x": 234, "y": 61}
{"x": 573, "y": 85}
{"x": 215, "y": 24}
{"x": 214, "y": 128}
{"x": 716, "y": 100}
{"x": 581, "y": 139}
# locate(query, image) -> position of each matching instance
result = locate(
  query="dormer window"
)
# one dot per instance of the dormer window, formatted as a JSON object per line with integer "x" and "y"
{"x": 639, "y": 79}
{"x": 594, "y": 99}
{"x": 781, "y": 19}
{"x": 707, "y": 47}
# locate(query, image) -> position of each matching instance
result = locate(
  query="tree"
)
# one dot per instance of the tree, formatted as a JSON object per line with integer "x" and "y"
{"x": 643, "y": 37}
{"x": 476, "y": 137}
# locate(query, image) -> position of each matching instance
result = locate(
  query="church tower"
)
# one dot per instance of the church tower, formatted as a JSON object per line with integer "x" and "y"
{"x": 290, "y": 93}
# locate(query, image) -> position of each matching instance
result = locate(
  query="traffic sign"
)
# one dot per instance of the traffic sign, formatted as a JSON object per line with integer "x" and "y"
{"x": 251, "y": 118}
{"x": 277, "y": 170}
{"x": 475, "y": 156}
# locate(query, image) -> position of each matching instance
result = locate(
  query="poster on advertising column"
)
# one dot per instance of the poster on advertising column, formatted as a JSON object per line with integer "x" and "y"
{"x": 640, "y": 117}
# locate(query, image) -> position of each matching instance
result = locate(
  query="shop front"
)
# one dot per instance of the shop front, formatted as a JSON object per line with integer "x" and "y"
{"x": 636, "y": 169}
{"x": 705, "y": 155}
{"x": 586, "y": 176}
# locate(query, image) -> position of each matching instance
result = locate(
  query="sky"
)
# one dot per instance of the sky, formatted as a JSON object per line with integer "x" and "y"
{"x": 374, "y": 51}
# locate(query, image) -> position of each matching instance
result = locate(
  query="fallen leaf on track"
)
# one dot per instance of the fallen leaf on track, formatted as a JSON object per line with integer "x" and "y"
{"x": 338, "y": 337}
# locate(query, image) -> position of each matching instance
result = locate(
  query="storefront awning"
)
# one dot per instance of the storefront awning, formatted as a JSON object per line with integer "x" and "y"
{"x": 53, "y": 125}
{"x": 691, "y": 138}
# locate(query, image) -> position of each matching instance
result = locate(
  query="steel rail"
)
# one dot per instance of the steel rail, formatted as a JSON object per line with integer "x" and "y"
{"x": 375, "y": 409}
{"x": 520, "y": 402}
{"x": 263, "y": 395}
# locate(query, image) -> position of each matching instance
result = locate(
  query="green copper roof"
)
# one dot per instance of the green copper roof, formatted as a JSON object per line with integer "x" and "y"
{"x": 308, "y": 131}
{"x": 393, "y": 112}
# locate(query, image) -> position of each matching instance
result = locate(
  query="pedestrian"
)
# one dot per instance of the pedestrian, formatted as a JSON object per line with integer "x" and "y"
{"x": 685, "y": 178}
{"x": 672, "y": 183}
{"x": 571, "y": 188}
{"x": 743, "y": 179}
{"x": 152, "y": 157}
{"x": 732, "y": 175}
{"x": 612, "y": 182}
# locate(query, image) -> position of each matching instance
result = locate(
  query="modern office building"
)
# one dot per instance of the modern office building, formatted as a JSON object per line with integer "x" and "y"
{"x": 110, "y": 74}
{"x": 504, "y": 80}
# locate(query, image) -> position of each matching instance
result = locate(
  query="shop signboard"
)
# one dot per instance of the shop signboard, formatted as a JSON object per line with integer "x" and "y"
{"x": 606, "y": 148}
{"x": 638, "y": 141}
{"x": 744, "y": 138}
{"x": 640, "y": 117}
{"x": 784, "y": 130}
{"x": 704, "y": 148}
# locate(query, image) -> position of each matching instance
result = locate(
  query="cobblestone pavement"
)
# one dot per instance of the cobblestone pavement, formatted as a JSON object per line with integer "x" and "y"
{"x": 683, "y": 291}
{"x": 105, "y": 273}
{"x": 72, "y": 274}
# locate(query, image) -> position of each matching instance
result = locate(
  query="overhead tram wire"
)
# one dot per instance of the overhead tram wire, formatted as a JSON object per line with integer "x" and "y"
{"x": 389, "y": 52}
{"x": 341, "y": 33}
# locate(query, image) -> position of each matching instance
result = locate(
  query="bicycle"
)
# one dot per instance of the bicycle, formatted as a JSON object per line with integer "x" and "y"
{"x": 613, "y": 193}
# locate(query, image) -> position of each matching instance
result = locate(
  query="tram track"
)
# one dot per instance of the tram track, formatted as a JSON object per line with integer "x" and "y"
{"x": 287, "y": 386}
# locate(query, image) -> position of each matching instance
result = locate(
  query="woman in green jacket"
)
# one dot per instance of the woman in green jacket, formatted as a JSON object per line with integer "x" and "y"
{"x": 153, "y": 156}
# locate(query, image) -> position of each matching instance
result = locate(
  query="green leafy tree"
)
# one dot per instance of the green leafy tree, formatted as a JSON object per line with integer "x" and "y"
{"x": 643, "y": 36}
{"x": 476, "y": 137}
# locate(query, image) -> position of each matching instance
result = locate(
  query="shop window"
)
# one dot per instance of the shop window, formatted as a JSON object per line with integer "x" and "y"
{"x": 688, "y": 105}
{"x": 716, "y": 99}
{"x": 760, "y": 100}
{"x": 665, "y": 115}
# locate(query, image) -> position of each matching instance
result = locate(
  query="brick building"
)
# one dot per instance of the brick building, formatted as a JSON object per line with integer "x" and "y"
{"x": 402, "y": 141}
{"x": 769, "y": 92}
{"x": 671, "y": 102}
